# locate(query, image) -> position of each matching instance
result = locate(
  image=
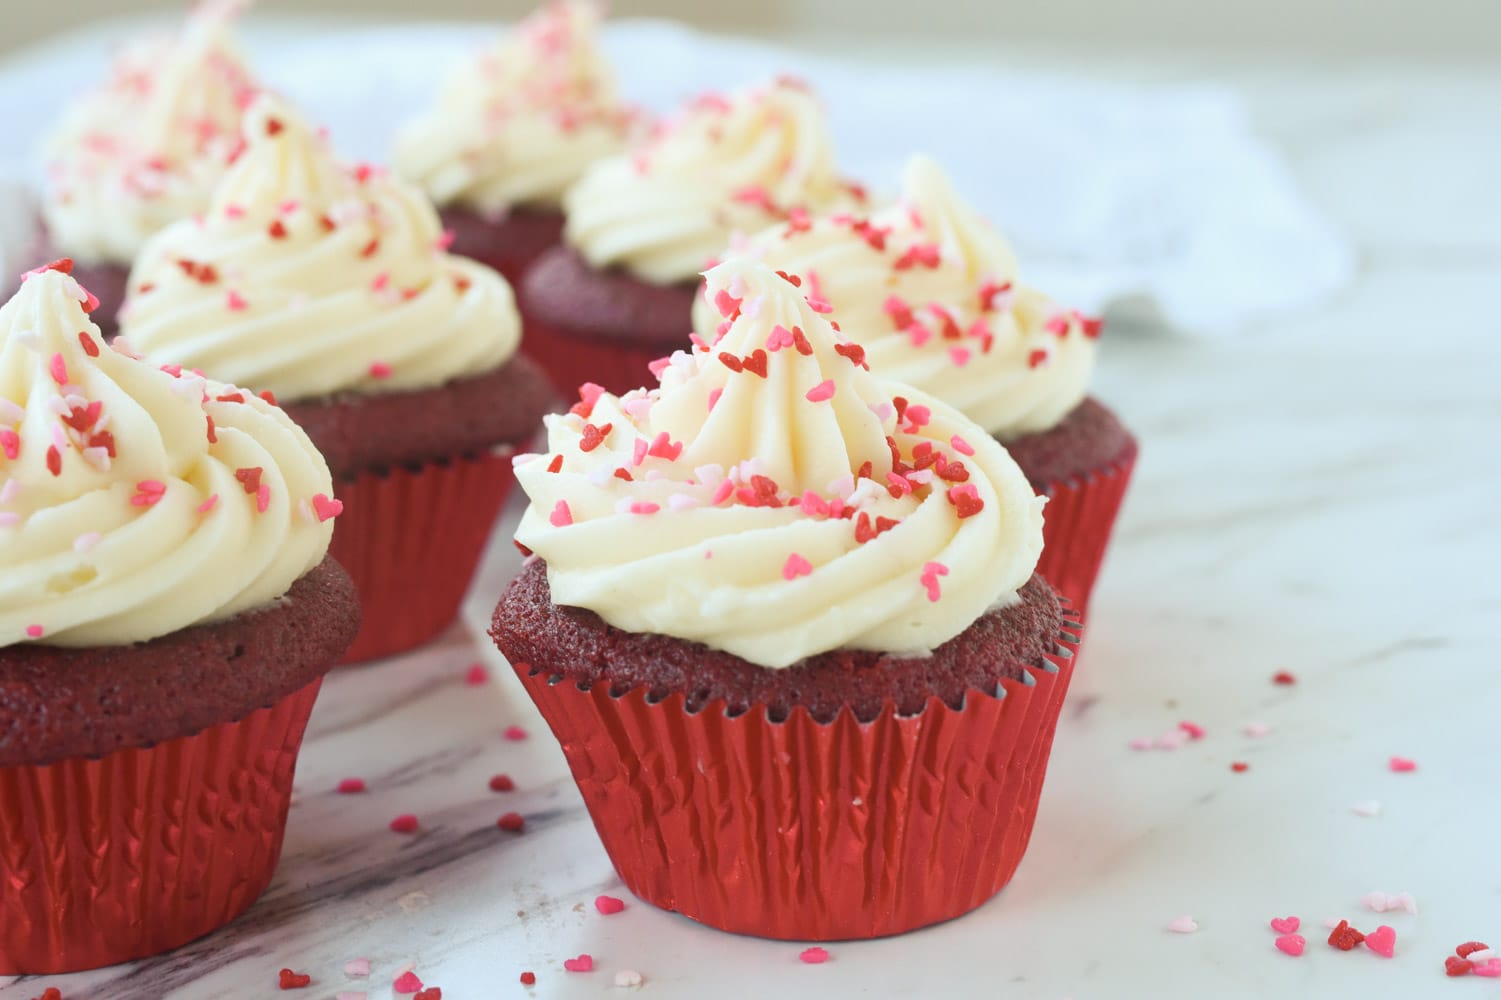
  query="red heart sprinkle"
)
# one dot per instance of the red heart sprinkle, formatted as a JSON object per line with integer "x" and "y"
{"x": 1283, "y": 677}
{"x": 1469, "y": 948}
{"x": 502, "y": 783}
{"x": 1344, "y": 937}
{"x": 1240, "y": 766}
{"x": 293, "y": 980}
{"x": 511, "y": 822}
{"x": 528, "y": 978}
{"x": 1455, "y": 966}
{"x": 755, "y": 362}
{"x": 405, "y": 823}
{"x": 431, "y": 993}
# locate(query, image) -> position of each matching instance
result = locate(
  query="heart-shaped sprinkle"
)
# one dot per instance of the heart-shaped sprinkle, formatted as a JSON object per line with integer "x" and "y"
{"x": 1456, "y": 966}
{"x": 1402, "y": 764}
{"x": 1183, "y": 925}
{"x": 755, "y": 362}
{"x": 357, "y": 967}
{"x": 1285, "y": 925}
{"x": 1483, "y": 955}
{"x": 608, "y": 905}
{"x": 1344, "y": 937}
{"x": 1469, "y": 948}
{"x": 325, "y": 507}
{"x": 1383, "y": 941}
{"x": 290, "y": 980}
{"x": 1291, "y": 944}
{"x": 584, "y": 963}
{"x": 1491, "y": 969}
{"x": 1369, "y": 807}
{"x": 431, "y": 993}
{"x": 813, "y": 956}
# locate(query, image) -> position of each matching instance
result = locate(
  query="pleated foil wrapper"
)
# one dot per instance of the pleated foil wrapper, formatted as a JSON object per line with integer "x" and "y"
{"x": 571, "y": 360}
{"x": 1076, "y": 527}
{"x": 411, "y": 539}
{"x": 114, "y": 858}
{"x": 809, "y": 831}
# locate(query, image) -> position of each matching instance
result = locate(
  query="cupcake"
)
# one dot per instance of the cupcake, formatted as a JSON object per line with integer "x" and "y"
{"x": 782, "y": 617}
{"x": 618, "y": 294}
{"x": 167, "y": 613}
{"x": 512, "y": 129}
{"x": 327, "y": 285}
{"x": 931, "y": 292}
{"x": 144, "y": 150}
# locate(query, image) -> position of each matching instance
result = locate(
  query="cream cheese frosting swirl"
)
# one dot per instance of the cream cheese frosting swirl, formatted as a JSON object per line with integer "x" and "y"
{"x": 137, "y": 500}
{"x": 931, "y": 291}
{"x": 308, "y": 277}
{"x": 774, "y": 499}
{"x": 523, "y": 120}
{"x": 725, "y": 165}
{"x": 146, "y": 148}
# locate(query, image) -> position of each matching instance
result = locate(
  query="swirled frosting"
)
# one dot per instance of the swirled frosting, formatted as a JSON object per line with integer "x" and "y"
{"x": 523, "y": 120}
{"x": 931, "y": 291}
{"x": 137, "y": 500}
{"x": 307, "y": 277}
{"x": 146, "y": 148}
{"x": 723, "y": 166}
{"x": 774, "y": 499}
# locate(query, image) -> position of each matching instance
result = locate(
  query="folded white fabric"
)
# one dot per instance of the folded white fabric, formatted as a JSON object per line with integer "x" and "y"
{"x": 1115, "y": 195}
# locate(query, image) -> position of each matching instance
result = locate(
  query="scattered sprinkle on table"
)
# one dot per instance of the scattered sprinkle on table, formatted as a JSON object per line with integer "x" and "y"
{"x": 511, "y": 822}
{"x": 289, "y": 980}
{"x": 351, "y": 786}
{"x": 1367, "y": 807}
{"x": 1383, "y": 941}
{"x": 357, "y": 968}
{"x": 405, "y": 823}
{"x": 476, "y": 675}
{"x": 407, "y": 982}
{"x": 1183, "y": 925}
{"x": 814, "y": 956}
{"x": 1402, "y": 765}
{"x": 50, "y": 993}
{"x": 1285, "y": 925}
{"x": 628, "y": 978}
{"x": 1344, "y": 937}
{"x": 502, "y": 783}
{"x": 528, "y": 978}
{"x": 1240, "y": 766}
{"x": 1283, "y": 677}
{"x": 608, "y": 905}
{"x": 515, "y": 733}
{"x": 1290, "y": 944}
{"x": 1380, "y": 902}
{"x": 431, "y": 993}
{"x": 1256, "y": 730}
{"x": 584, "y": 963}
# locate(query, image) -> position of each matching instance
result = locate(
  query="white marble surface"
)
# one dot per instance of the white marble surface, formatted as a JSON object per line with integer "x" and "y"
{"x": 1319, "y": 498}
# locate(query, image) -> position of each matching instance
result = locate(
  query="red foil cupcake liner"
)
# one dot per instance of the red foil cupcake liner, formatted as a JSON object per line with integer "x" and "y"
{"x": 411, "y": 538}
{"x": 1076, "y": 528}
{"x": 810, "y": 831}
{"x": 571, "y": 360}
{"x": 135, "y": 853}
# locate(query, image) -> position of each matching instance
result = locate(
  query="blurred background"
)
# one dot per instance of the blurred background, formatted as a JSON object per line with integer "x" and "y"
{"x": 1421, "y": 29}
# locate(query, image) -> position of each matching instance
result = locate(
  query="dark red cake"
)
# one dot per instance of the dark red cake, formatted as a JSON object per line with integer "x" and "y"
{"x": 578, "y": 646}
{"x": 587, "y": 325}
{"x": 508, "y": 242}
{"x": 374, "y": 432}
{"x": 58, "y": 702}
{"x": 1090, "y": 438}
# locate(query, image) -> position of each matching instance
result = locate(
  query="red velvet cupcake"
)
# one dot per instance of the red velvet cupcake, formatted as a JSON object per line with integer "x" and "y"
{"x": 328, "y": 285}
{"x": 512, "y": 130}
{"x": 930, "y": 291}
{"x": 143, "y": 150}
{"x": 783, "y": 620}
{"x": 167, "y": 613}
{"x": 618, "y": 294}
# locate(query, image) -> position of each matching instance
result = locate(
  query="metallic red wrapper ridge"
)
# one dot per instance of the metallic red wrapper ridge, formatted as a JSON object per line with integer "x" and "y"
{"x": 138, "y": 852}
{"x": 410, "y": 539}
{"x": 1076, "y": 528}
{"x": 571, "y": 360}
{"x": 807, "y": 831}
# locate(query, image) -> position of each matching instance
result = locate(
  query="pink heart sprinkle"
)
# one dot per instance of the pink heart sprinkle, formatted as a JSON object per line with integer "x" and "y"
{"x": 407, "y": 982}
{"x": 514, "y": 733}
{"x": 1401, "y": 764}
{"x": 796, "y": 566}
{"x": 822, "y": 391}
{"x": 1285, "y": 925}
{"x": 326, "y": 507}
{"x": 608, "y": 905}
{"x": 561, "y": 516}
{"x": 357, "y": 967}
{"x": 476, "y": 675}
{"x": 1383, "y": 941}
{"x": 814, "y": 956}
{"x": 1491, "y": 969}
{"x": 1183, "y": 925}
{"x": 584, "y": 963}
{"x": 1291, "y": 944}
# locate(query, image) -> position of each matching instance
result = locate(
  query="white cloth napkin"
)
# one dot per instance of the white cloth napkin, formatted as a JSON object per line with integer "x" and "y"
{"x": 1115, "y": 196}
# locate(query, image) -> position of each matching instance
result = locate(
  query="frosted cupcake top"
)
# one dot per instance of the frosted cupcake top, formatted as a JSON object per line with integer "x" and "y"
{"x": 774, "y": 498}
{"x": 309, "y": 277}
{"x": 931, "y": 291}
{"x": 146, "y": 148}
{"x": 724, "y": 165}
{"x": 522, "y": 120}
{"x": 137, "y": 500}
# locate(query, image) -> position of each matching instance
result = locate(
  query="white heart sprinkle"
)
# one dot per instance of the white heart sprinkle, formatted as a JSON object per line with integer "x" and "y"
{"x": 1183, "y": 925}
{"x": 1370, "y": 807}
